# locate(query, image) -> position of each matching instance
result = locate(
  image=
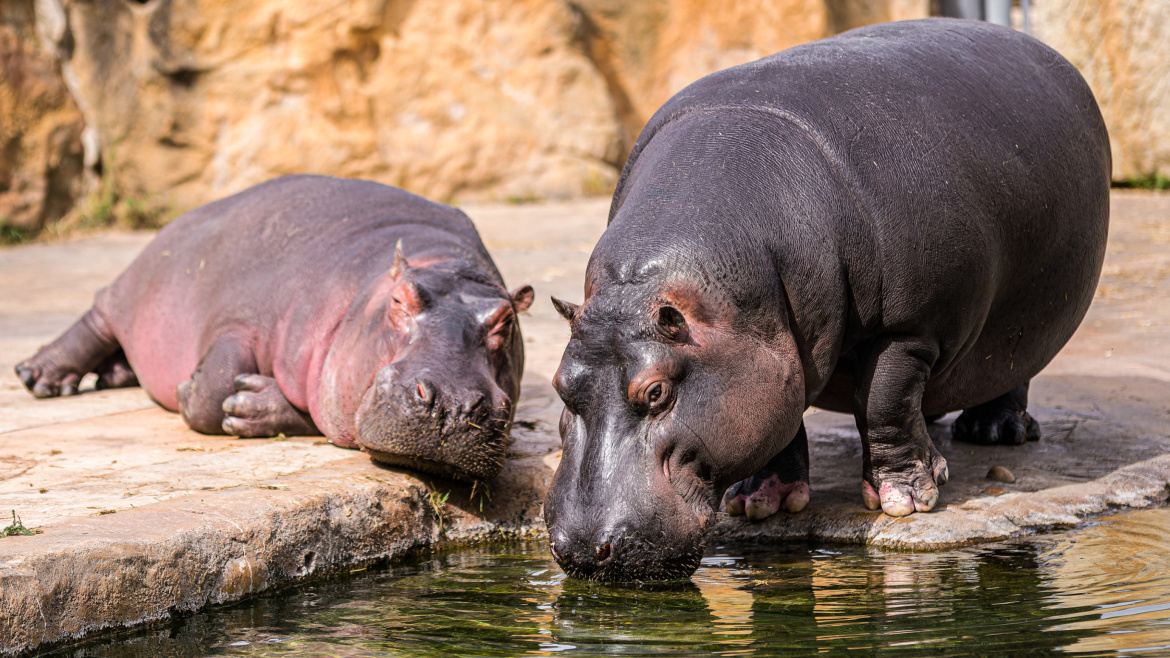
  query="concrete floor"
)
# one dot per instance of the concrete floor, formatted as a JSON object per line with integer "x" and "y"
{"x": 140, "y": 518}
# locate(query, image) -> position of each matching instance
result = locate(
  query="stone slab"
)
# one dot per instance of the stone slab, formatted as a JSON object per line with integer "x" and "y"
{"x": 141, "y": 518}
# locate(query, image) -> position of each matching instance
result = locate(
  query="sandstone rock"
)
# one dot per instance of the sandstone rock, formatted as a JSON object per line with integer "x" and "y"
{"x": 1121, "y": 47}
{"x": 196, "y": 99}
{"x": 190, "y": 100}
{"x": 40, "y": 127}
{"x": 452, "y": 99}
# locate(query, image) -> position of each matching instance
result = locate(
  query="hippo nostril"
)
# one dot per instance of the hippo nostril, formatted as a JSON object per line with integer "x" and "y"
{"x": 602, "y": 552}
{"x": 426, "y": 392}
{"x": 474, "y": 403}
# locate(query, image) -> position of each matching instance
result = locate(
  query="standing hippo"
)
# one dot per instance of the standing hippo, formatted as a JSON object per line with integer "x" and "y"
{"x": 287, "y": 309}
{"x": 903, "y": 220}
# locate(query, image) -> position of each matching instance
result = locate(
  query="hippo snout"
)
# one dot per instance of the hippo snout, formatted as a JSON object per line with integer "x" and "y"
{"x": 455, "y": 427}
{"x": 585, "y": 556}
{"x": 623, "y": 555}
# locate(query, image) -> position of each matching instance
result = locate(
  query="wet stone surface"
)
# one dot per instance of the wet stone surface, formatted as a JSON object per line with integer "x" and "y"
{"x": 140, "y": 518}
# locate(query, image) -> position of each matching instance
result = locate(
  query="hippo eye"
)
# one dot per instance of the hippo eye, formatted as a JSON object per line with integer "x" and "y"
{"x": 654, "y": 394}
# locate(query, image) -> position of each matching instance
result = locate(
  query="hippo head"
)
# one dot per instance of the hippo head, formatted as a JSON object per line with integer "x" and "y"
{"x": 672, "y": 393}
{"x": 425, "y": 370}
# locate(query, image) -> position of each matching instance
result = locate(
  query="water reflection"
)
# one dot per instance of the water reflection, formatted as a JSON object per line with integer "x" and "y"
{"x": 1102, "y": 589}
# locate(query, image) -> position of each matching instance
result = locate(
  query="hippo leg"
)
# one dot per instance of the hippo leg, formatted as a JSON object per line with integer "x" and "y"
{"x": 1003, "y": 421}
{"x": 781, "y": 484}
{"x": 258, "y": 408}
{"x": 57, "y": 369}
{"x": 115, "y": 372}
{"x": 201, "y": 397}
{"x": 901, "y": 468}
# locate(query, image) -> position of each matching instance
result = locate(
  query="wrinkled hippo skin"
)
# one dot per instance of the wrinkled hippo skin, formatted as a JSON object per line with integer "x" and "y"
{"x": 897, "y": 222}
{"x": 288, "y": 308}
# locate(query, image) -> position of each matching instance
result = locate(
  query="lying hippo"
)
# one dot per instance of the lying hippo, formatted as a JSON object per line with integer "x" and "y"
{"x": 903, "y": 220}
{"x": 287, "y": 309}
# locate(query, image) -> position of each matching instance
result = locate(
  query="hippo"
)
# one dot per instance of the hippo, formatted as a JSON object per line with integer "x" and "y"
{"x": 314, "y": 305}
{"x": 897, "y": 222}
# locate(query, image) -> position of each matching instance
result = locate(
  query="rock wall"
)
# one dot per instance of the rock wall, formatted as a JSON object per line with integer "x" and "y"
{"x": 1122, "y": 47}
{"x": 186, "y": 101}
{"x": 40, "y": 128}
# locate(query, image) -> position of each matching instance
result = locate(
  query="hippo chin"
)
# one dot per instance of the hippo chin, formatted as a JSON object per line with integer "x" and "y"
{"x": 288, "y": 309}
{"x": 901, "y": 221}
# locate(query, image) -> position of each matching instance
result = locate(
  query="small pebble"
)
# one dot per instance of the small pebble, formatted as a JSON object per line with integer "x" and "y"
{"x": 1000, "y": 474}
{"x": 993, "y": 491}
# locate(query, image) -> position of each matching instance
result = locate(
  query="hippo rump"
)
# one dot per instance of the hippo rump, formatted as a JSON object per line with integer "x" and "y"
{"x": 897, "y": 222}
{"x": 287, "y": 308}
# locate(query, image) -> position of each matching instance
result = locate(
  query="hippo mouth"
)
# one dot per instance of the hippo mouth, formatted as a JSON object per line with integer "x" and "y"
{"x": 460, "y": 444}
{"x": 640, "y": 562}
{"x": 462, "y": 447}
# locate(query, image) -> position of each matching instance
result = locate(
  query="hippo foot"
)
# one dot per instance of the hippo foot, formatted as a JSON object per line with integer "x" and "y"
{"x": 781, "y": 485}
{"x": 45, "y": 380}
{"x": 259, "y": 409}
{"x": 995, "y": 427}
{"x": 758, "y": 498}
{"x": 57, "y": 369}
{"x": 903, "y": 492}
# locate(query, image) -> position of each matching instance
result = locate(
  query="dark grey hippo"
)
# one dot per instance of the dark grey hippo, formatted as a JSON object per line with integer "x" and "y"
{"x": 897, "y": 222}
{"x": 288, "y": 309}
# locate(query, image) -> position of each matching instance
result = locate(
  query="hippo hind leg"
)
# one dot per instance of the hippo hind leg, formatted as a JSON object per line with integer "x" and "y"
{"x": 1002, "y": 421}
{"x": 258, "y": 408}
{"x": 781, "y": 484}
{"x": 57, "y": 369}
{"x": 115, "y": 372}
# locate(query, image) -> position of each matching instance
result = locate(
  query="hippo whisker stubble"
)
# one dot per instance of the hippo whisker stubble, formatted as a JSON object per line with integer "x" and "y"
{"x": 287, "y": 308}
{"x": 898, "y": 222}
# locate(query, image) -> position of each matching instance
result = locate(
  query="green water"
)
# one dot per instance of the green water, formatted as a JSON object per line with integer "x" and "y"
{"x": 1100, "y": 589}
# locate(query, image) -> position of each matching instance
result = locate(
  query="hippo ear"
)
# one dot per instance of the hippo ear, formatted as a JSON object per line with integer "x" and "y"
{"x": 399, "y": 261}
{"x": 671, "y": 323}
{"x": 406, "y": 300}
{"x": 522, "y": 298}
{"x": 567, "y": 310}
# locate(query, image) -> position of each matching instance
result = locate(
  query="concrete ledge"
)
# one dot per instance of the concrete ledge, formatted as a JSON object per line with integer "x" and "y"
{"x": 987, "y": 518}
{"x": 148, "y": 564}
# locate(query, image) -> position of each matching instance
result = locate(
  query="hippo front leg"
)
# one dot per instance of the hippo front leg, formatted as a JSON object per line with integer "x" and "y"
{"x": 258, "y": 408}
{"x": 781, "y": 484}
{"x": 201, "y": 397}
{"x": 902, "y": 469}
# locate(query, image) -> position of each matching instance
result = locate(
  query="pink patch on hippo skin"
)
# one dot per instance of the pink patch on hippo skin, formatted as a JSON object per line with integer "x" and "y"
{"x": 736, "y": 505}
{"x": 797, "y": 498}
{"x": 870, "y": 497}
{"x": 898, "y": 502}
{"x": 774, "y": 495}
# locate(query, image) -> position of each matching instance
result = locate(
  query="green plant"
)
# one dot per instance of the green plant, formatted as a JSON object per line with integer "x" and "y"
{"x": 17, "y": 528}
{"x": 437, "y": 502}
{"x": 10, "y": 234}
{"x": 1154, "y": 181}
{"x": 484, "y": 493}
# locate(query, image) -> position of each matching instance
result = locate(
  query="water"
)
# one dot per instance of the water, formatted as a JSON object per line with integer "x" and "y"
{"x": 1100, "y": 589}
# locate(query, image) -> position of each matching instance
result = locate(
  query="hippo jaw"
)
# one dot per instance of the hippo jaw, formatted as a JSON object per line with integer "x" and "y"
{"x": 666, "y": 405}
{"x": 458, "y": 432}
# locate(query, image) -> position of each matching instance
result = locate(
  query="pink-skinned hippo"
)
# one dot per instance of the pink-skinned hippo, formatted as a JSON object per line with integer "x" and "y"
{"x": 897, "y": 222}
{"x": 314, "y": 305}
